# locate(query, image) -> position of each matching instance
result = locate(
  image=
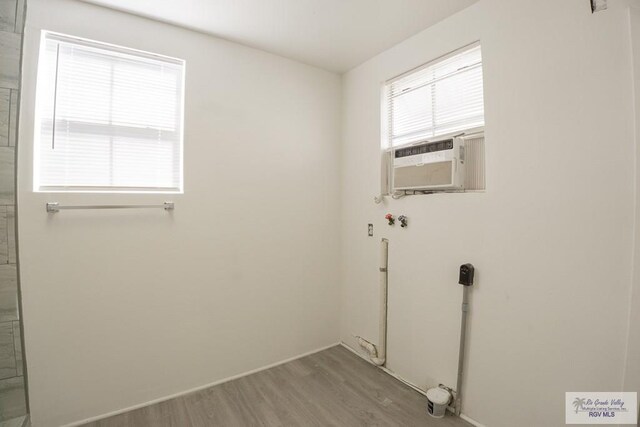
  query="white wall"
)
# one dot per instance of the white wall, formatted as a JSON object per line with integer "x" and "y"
{"x": 632, "y": 373}
{"x": 550, "y": 238}
{"x": 122, "y": 307}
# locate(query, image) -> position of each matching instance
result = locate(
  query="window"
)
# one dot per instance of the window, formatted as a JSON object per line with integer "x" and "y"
{"x": 442, "y": 97}
{"x": 108, "y": 118}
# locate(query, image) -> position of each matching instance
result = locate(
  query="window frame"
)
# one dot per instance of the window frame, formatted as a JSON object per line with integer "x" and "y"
{"x": 387, "y": 150}
{"x": 38, "y": 187}
{"x": 385, "y": 140}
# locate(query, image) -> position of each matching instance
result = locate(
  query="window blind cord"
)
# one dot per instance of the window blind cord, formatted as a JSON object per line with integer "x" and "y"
{"x": 55, "y": 99}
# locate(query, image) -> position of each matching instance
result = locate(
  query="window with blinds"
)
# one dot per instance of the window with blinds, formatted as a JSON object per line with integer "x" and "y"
{"x": 442, "y": 97}
{"x": 108, "y": 118}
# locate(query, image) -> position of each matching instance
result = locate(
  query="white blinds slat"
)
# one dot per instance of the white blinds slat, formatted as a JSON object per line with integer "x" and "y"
{"x": 439, "y": 98}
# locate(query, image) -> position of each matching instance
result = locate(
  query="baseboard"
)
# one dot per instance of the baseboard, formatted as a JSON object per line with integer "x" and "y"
{"x": 202, "y": 387}
{"x": 471, "y": 421}
{"x": 402, "y": 380}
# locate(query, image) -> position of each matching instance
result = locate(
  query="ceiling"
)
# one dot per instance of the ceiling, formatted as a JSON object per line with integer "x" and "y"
{"x": 335, "y": 35}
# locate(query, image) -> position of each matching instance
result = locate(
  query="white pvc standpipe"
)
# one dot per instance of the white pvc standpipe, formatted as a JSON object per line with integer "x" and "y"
{"x": 378, "y": 354}
{"x": 384, "y": 288}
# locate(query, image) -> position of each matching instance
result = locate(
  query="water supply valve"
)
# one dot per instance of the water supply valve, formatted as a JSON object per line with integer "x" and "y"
{"x": 389, "y": 217}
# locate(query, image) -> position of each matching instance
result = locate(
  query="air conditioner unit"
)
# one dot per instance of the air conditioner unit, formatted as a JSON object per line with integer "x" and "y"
{"x": 430, "y": 166}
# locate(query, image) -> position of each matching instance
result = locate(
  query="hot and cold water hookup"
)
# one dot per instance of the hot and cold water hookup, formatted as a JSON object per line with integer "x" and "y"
{"x": 392, "y": 220}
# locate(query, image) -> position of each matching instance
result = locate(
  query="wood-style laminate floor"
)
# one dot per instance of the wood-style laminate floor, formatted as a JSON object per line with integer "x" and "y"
{"x": 331, "y": 388}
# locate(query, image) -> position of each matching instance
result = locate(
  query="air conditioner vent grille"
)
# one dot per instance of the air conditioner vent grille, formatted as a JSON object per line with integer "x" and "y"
{"x": 475, "y": 168}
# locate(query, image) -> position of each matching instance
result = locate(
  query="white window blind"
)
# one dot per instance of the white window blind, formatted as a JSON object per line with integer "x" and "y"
{"x": 108, "y": 118}
{"x": 442, "y": 97}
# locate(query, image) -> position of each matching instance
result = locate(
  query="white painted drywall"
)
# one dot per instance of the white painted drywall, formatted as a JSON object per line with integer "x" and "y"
{"x": 122, "y": 307}
{"x": 632, "y": 373}
{"x": 550, "y": 238}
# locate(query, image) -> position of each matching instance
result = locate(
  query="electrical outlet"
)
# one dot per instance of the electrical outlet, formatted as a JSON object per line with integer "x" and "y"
{"x": 370, "y": 228}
